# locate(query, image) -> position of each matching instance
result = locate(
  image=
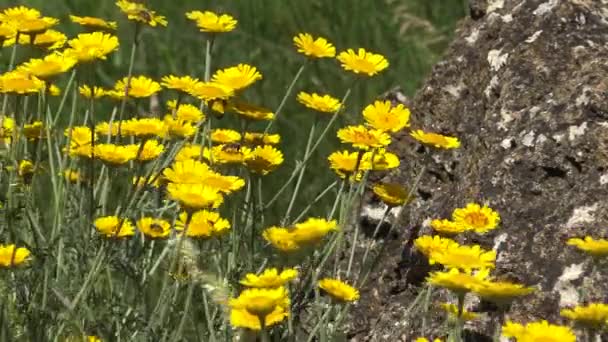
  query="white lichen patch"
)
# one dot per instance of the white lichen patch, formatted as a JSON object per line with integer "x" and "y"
{"x": 534, "y": 37}
{"x": 472, "y": 38}
{"x": 568, "y": 293}
{"x": 506, "y": 117}
{"x": 528, "y": 139}
{"x": 507, "y": 18}
{"x": 375, "y": 213}
{"x": 497, "y": 59}
{"x": 541, "y": 139}
{"x": 494, "y": 5}
{"x": 455, "y": 90}
{"x": 583, "y": 99}
{"x": 545, "y": 7}
{"x": 582, "y": 215}
{"x": 506, "y": 143}
{"x": 493, "y": 84}
{"x": 576, "y": 131}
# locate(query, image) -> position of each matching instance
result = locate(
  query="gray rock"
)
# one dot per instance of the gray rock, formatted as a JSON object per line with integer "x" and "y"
{"x": 525, "y": 87}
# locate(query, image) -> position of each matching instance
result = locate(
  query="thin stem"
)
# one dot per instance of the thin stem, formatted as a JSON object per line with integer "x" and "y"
{"x": 285, "y": 97}
{"x": 123, "y": 103}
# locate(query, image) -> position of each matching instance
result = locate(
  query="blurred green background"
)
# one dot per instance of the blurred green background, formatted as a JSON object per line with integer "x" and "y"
{"x": 412, "y": 34}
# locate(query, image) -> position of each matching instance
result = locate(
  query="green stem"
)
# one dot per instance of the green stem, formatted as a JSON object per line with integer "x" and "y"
{"x": 285, "y": 97}
{"x": 123, "y": 103}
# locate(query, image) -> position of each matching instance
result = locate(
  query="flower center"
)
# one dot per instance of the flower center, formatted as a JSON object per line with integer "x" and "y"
{"x": 476, "y": 219}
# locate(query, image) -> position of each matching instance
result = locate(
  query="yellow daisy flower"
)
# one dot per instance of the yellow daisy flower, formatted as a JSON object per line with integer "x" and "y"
{"x": 363, "y": 138}
{"x": 144, "y": 127}
{"x": 270, "y": 278}
{"x": 109, "y": 128}
{"x": 263, "y": 159}
{"x": 312, "y": 230}
{"x": 195, "y": 196}
{"x": 447, "y": 227}
{"x": 154, "y": 228}
{"x": 593, "y": 315}
{"x": 383, "y": 116}
{"x": 139, "y": 86}
{"x": 225, "y": 136}
{"x": 92, "y": 92}
{"x": 362, "y": 62}
{"x": 464, "y": 257}
{"x": 186, "y": 112}
{"x": 187, "y": 171}
{"x": 253, "y": 306}
{"x": 27, "y": 20}
{"x": 437, "y": 140}
{"x": 151, "y": 150}
{"x": 237, "y": 77}
{"x": 49, "y": 66}
{"x": 137, "y": 11}
{"x": 209, "y": 91}
{"x": 25, "y": 169}
{"x": 211, "y": 22}
{"x": 73, "y": 176}
{"x": 392, "y": 194}
{"x": 7, "y": 125}
{"x": 18, "y": 14}
{"x": 185, "y": 84}
{"x": 500, "y": 292}
{"x": 477, "y": 218}
{"x": 424, "y": 339}
{"x": 7, "y": 34}
{"x": 49, "y": 39}
{"x": 281, "y": 239}
{"x": 11, "y": 255}
{"x": 251, "y": 112}
{"x": 80, "y": 140}
{"x": 452, "y": 311}
{"x": 380, "y": 160}
{"x": 255, "y": 138}
{"x": 321, "y": 103}
{"x": 87, "y": 47}
{"x": 34, "y": 130}
{"x": 457, "y": 281}
{"x": 179, "y": 128}
{"x": 316, "y": 48}
{"x": 94, "y": 23}
{"x": 223, "y": 184}
{"x": 108, "y": 227}
{"x": 203, "y": 224}
{"x": 345, "y": 163}
{"x": 190, "y": 151}
{"x": 540, "y": 331}
{"x": 115, "y": 155}
{"x": 19, "y": 82}
{"x": 597, "y": 248}
{"x": 429, "y": 245}
{"x": 339, "y": 290}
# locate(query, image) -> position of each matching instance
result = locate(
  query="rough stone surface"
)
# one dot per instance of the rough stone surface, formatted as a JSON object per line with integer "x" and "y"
{"x": 525, "y": 87}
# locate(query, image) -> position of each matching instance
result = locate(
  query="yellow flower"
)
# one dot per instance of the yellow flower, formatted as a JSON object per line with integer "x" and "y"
{"x": 34, "y": 130}
{"x": 477, "y": 218}
{"x": 316, "y": 48}
{"x": 19, "y": 82}
{"x": 27, "y": 20}
{"x": 115, "y": 154}
{"x": 339, "y": 290}
{"x": 195, "y": 196}
{"x": 263, "y": 159}
{"x": 185, "y": 84}
{"x": 209, "y": 91}
{"x": 500, "y": 292}
{"x": 26, "y": 168}
{"x": 437, "y": 140}
{"x": 447, "y": 227}
{"x": 211, "y": 22}
{"x": 362, "y": 62}
{"x": 255, "y": 138}
{"x": 312, "y": 230}
{"x": 186, "y": 171}
{"x": 225, "y": 136}
{"x": 237, "y": 77}
{"x": 53, "y": 90}
{"x": 49, "y": 66}
{"x": 452, "y": 311}
{"x": 154, "y": 228}
{"x": 392, "y": 194}
{"x": 139, "y": 86}
{"x": 151, "y": 150}
{"x": 94, "y": 92}
{"x": 7, "y": 125}
{"x": 80, "y": 140}
{"x": 223, "y": 184}
{"x": 344, "y": 163}
{"x": 281, "y": 239}
{"x": 109, "y": 128}
{"x": 363, "y": 138}
{"x": 383, "y": 116}
{"x": 189, "y": 151}
{"x": 593, "y": 315}
{"x": 73, "y": 176}
{"x": 457, "y": 281}
{"x": 11, "y": 255}
{"x": 203, "y": 224}
{"x": 49, "y": 39}
{"x": 424, "y": 339}
{"x": 144, "y": 127}
{"x": 87, "y": 47}
{"x": 7, "y": 34}
{"x": 597, "y": 248}
{"x": 322, "y": 103}
{"x": 538, "y": 332}
{"x": 14, "y": 15}
{"x": 429, "y": 245}
{"x": 186, "y": 112}
{"x": 179, "y": 128}
{"x": 380, "y": 160}
{"x": 108, "y": 227}
{"x": 254, "y": 306}
{"x": 92, "y": 338}
{"x": 251, "y": 112}
{"x": 270, "y": 278}
{"x": 137, "y": 11}
{"x": 464, "y": 257}
{"x": 95, "y": 23}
